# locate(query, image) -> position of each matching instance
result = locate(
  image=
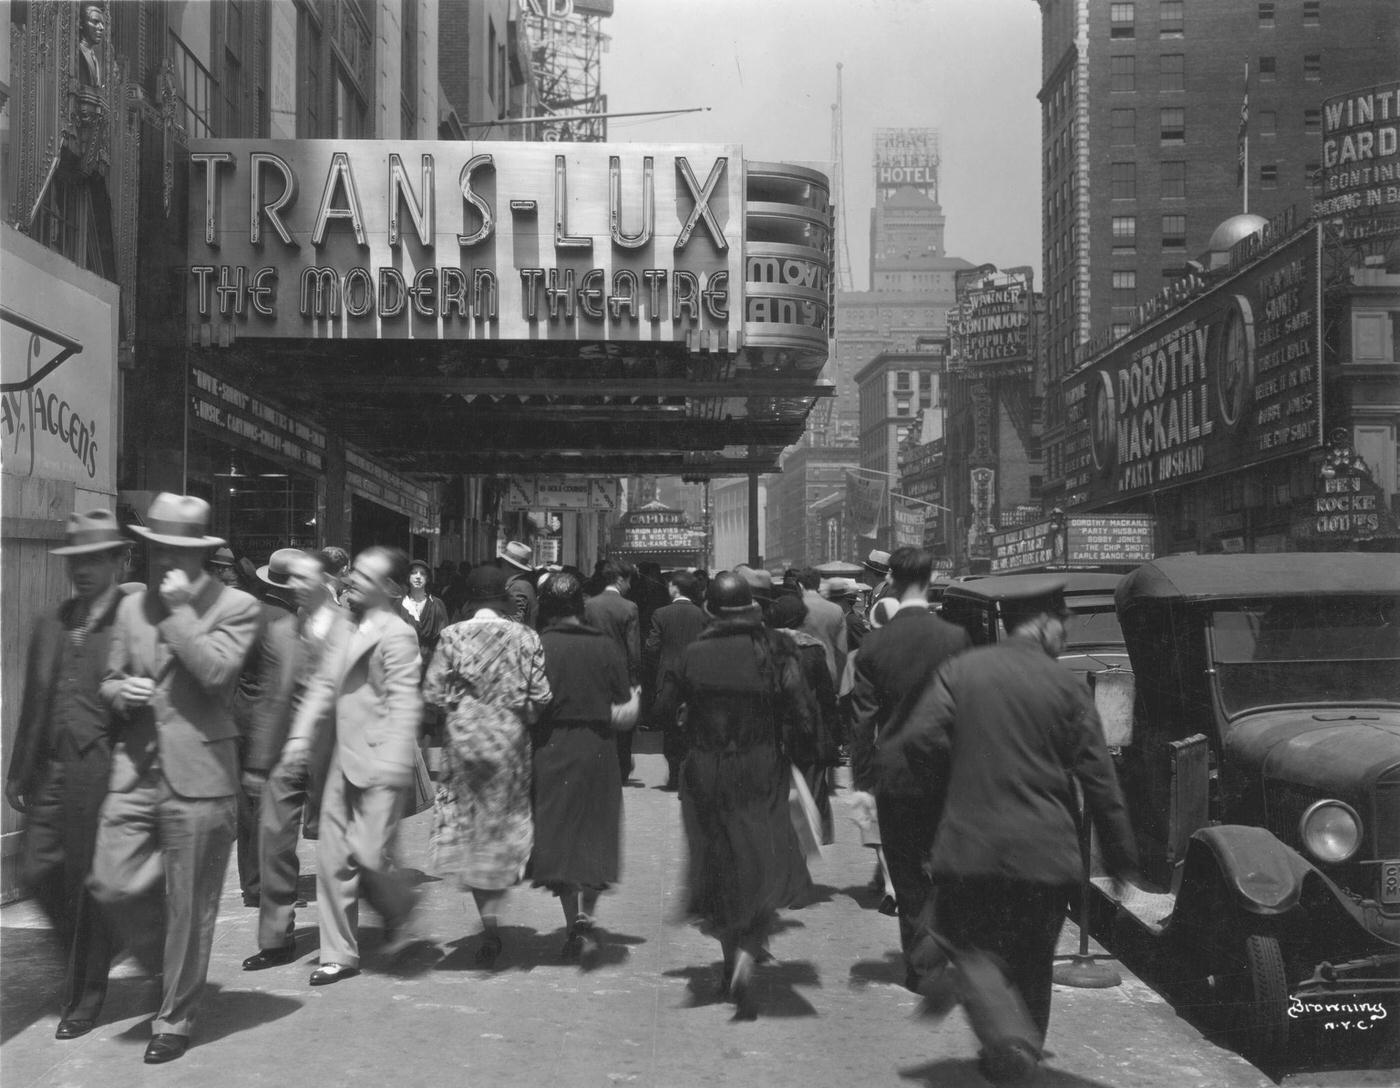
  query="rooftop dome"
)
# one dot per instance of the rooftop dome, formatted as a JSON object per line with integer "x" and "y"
{"x": 1235, "y": 229}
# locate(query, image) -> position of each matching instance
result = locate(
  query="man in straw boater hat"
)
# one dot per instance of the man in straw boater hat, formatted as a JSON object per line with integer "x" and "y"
{"x": 62, "y": 758}
{"x": 517, "y": 560}
{"x": 169, "y": 820}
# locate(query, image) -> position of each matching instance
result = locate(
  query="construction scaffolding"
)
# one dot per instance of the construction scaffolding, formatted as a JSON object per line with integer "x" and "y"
{"x": 566, "y": 54}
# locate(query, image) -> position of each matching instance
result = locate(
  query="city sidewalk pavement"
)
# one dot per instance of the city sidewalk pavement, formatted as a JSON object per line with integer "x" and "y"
{"x": 833, "y": 1011}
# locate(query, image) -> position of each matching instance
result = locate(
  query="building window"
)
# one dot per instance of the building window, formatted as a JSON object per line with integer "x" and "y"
{"x": 350, "y": 113}
{"x": 1124, "y": 127}
{"x": 1121, "y": 329}
{"x": 1174, "y": 180}
{"x": 196, "y": 90}
{"x": 1268, "y": 69}
{"x": 1123, "y": 77}
{"x": 1374, "y": 336}
{"x": 1312, "y": 65}
{"x": 1268, "y": 123}
{"x": 311, "y": 90}
{"x": 1312, "y": 12}
{"x": 1312, "y": 121}
{"x": 1173, "y": 72}
{"x": 1124, "y": 279}
{"x": 1171, "y": 19}
{"x": 232, "y": 81}
{"x": 408, "y": 62}
{"x": 1266, "y": 15}
{"x": 1310, "y": 173}
{"x": 1173, "y": 232}
{"x": 1124, "y": 181}
{"x": 903, "y": 381}
{"x": 1268, "y": 175}
{"x": 1120, "y": 18}
{"x": 1173, "y": 125}
{"x": 1124, "y": 228}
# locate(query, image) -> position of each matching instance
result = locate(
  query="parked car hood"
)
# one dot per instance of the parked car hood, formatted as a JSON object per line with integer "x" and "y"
{"x": 1324, "y": 747}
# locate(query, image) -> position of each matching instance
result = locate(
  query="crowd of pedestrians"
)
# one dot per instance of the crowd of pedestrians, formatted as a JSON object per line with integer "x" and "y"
{"x": 168, "y": 726}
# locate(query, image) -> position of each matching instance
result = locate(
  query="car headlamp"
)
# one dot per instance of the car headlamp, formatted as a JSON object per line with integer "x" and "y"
{"x": 1331, "y": 831}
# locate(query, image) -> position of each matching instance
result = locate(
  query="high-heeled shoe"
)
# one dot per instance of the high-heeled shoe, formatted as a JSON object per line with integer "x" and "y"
{"x": 741, "y": 989}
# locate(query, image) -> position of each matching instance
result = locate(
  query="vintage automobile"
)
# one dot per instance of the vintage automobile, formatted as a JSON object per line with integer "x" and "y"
{"x": 1095, "y": 639}
{"x": 1262, "y": 776}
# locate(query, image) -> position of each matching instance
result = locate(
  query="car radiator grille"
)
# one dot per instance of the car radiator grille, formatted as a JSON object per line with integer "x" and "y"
{"x": 1387, "y": 818}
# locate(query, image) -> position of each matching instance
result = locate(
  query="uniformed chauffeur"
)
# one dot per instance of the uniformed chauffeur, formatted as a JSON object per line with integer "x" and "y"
{"x": 1010, "y": 726}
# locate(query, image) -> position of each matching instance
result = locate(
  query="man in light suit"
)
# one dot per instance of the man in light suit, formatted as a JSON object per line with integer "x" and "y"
{"x": 825, "y": 621}
{"x": 168, "y": 822}
{"x": 366, "y": 689}
{"x": 612, "y": 613}
{"x": 673, "y": 628}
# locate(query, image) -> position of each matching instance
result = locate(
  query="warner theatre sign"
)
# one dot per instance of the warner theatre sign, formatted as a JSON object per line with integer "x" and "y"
{"x": 491, "y": 241}
{"x": 1232, "y": 378}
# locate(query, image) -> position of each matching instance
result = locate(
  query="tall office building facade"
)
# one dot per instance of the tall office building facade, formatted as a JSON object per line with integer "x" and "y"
{"x": 911, "y": 289}
{"x": 1143, "y": 108}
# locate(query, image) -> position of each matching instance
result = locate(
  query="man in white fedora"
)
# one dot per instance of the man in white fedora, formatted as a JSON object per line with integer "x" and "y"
{"x": 168, "y": 823}
{"x": 517, "y": 560}
{"x": 61, "y": 758}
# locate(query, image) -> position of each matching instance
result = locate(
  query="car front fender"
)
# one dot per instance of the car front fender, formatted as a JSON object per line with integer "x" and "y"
{"x": 1263, "y": 875}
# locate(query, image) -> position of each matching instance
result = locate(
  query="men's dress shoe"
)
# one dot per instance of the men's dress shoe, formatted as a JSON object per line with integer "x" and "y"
{"x": 73, "y": 1027}
{"x": 166, "y": 1048}
{"x": 271, "y": 957}
{"x": 332, "y": 972}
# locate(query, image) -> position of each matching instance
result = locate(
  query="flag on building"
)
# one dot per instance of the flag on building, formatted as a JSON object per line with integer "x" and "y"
{"x": 865, "y": 503}
{"x": 1244, "y": 133}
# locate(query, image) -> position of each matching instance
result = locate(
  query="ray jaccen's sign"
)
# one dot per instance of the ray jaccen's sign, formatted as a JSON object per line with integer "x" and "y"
{"x": 483, "y": 241}
{"x": 1231, "y": 379}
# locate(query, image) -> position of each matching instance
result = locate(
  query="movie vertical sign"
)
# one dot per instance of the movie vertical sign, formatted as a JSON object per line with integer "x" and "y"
{"x": 1231, "y": 379}
{"x": 992, "y": 325}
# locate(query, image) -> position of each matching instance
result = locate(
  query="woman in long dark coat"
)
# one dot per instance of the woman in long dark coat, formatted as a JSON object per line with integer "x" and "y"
{"x": 578, "y": 783}
{"x": 426, "y": 614}
{"x": 745, "y": 707}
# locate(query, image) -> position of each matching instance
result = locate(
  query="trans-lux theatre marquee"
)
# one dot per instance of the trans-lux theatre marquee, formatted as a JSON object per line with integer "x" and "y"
{"x": 491, "y": 241}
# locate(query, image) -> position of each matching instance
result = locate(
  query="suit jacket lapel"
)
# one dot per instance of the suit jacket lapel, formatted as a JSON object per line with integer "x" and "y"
{"x": 363, "y": 638}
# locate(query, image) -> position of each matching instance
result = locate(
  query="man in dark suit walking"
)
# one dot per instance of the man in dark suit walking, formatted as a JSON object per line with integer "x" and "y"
{"x": 673, "y": 628}
{"x": 296, "y": 641}
{"x": 895, "y": 662}
{"x": 169, "y": 820}
{"x": 612, "y": 613}
{"x": 62, "y": 758}
{"x": 1008, "y": 727}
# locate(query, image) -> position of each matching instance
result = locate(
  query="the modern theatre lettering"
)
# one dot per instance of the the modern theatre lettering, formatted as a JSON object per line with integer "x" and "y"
{"x": 490, "y": 241}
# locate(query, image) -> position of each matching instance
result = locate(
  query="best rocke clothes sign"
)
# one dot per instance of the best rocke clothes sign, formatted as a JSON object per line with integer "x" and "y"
{"x": 460, "y": 240}
{"x": 1232, "y": 378}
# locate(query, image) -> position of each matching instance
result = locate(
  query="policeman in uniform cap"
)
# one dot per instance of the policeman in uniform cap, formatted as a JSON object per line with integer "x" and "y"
{"x": 1010, "y": 726}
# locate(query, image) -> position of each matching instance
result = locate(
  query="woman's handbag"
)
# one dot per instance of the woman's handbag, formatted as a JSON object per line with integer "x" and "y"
{"x": 625, "y": 715}
{"x": 802, "y": 810}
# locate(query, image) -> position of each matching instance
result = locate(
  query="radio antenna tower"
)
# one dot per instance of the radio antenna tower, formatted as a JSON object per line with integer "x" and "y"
{"x": 566, "y": 54}
{"x": 838, "y": 157}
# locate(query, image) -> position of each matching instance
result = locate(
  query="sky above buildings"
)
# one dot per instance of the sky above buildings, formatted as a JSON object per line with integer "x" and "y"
{"x": 767, "y": 71}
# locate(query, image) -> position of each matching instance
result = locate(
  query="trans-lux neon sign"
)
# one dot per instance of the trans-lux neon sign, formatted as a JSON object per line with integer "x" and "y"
{"x": 400, "y": 205}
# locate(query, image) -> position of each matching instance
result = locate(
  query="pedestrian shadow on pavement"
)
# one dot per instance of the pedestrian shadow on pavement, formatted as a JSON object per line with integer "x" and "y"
{"x": 774, "y": 986}
{"x": 33, "y": 979}
{"x": 222, "y": 1013}
{"x": 524, "y": 949}
{"x": 888, "y": 971}
{"x": 963, "y": 1073}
